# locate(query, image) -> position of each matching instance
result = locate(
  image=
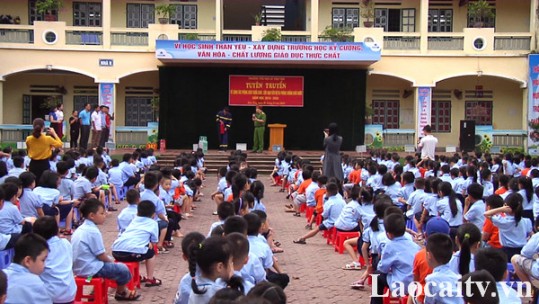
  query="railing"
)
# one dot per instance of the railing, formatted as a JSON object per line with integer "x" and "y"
{"x": 401, "y": 41}
{"x": 131, "y": 135}
{"x": 445, "y": 43}
{"x": 329, "y": 39}
{"x": 234, "y": 37}
{"x": 10, "y": 33}
{"x": 291, "y": 36}
{"x": 129, "y": 37}
{"x": 14, "y": 133}
{"x": 200, "y": 37}
{"x": 512, "y": 42}
{"x": 84, "y": 37}
{"x": 508, "y": 138}
{"x": 398, "y": 137}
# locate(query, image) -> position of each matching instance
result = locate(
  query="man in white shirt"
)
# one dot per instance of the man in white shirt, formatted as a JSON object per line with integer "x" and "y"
{"x": 427, "y": 144}
{"x": 96, "y": 127}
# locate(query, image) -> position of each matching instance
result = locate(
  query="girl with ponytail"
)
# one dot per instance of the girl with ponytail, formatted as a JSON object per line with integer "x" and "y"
{"x": 525, "y": 189}
{"x": 448, "y": 207}
{"x": 513, "y": 228}
{"x": 39, "y": 145}
{"x": 216, "y": 264}
{"x": 468, "y": 240}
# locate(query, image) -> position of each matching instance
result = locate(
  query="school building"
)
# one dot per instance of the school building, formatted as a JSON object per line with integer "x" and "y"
{"x": 411, "y": 63}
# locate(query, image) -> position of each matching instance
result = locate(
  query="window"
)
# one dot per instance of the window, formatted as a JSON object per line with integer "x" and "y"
{"x": 480, "y": 111}
{"x": 486, "y": 22}
{"x": 386, "y": 113}
{"x": 441, "y": 111}
{"x": 395, "y": 20}
{"x": 185, "y": 16}
{"x": 345, "y": 17}
{"x": 80, "y": 100}
{"x": 86, "y": 14}
{"x": 440, "y": 20}
{"x": 33, "y": 15}
{"x": 138, "y": 111}
{"x": 140, "y": 15}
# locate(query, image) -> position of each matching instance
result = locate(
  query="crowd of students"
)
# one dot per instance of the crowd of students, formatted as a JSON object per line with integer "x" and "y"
{"x": 84, "y": 185}
{"x": 470, "y": 213}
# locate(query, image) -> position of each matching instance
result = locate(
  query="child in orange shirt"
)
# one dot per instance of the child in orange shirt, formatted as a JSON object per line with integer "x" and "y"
{"x": 421, "y": 268}
{"x": 491, "y": 232}
{"x": 354, "y": 178}
{"x": 299, "y": 197}
{"x": 319, "y": 197}
{"x": 504, "y": 184}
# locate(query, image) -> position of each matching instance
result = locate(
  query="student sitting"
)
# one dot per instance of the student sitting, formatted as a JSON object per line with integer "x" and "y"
{"x": 48, "y": 193}
{"x": 397, "y": 257}
{"x": 58, "y": 274}
{"x": 332, "y": 210}
{"x": 257, "y": 189}
{"x": 490, "y": 232}
{"x": 130, "y": 212}
{"x": 474, "y": 207}
{"x": 18, "y": 166}
{"x": 319, "y": 198}
{"x": 224, "y": 211}
{"x": 468, "y": 239}
{"x": 136, "y": 243}
{"x": 482, "y": 288}
{"x": 151, "y": 183}
{"x": 30, "y": 204}
{"x": 439, "y": 251}
{"x": 184, "y": 288}
{"x": 82, "y": 187}
{"x": 11, "y": 220}
{"x": 348, "y": 220}
{"x": 299, "y": 197}
{"x": 25, "y": 286}
{"x": 449, "y": 208}
{"x": 129, "y": 175}
{"x": 240, "y": 255}
{"x": 115, "y": 175}
{"x": 493, "y": 261}
{"x": 66, "y": 194}
{"x": 89, "y": 256}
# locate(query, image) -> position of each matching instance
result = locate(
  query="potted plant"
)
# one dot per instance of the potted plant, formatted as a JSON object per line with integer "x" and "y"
{"x": 480, "y": 11}
{"x": 272, "y": 34}
{"x": 164, "y": 11}
{"x": 337, "y": 34}
{"x": 48, "y": 8}
{"x": 258, "y": 19}
{"x": 367, "y": 12}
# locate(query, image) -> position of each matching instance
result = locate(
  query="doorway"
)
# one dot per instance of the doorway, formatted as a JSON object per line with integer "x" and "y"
{"x": 36, "y": 106}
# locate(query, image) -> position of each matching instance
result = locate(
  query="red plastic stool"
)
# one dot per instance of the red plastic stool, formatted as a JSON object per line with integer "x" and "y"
{"x": 330, "y": 239}
{"x": 302, "y": 208}
{"x": 309, "y": 212}
{"x": 319, "y": 219}
{"x": 134, "y": 269}
{"x": 340, "y": 237}
{"x": 98, "y": 294}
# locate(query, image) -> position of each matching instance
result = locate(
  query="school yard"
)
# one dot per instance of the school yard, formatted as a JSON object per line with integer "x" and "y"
{"x": 314, "y": 269}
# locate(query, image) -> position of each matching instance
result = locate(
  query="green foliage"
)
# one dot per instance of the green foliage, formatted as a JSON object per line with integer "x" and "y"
{"x": 258, "y": 18}
{"x": 338, "y": 34}
{"x": 395, "y": 149}
{"x": 367, "y": 9}
{"x": 512, "y": 150}
{"x": 272, "y": 34}
{"x": 165, "y": 10}
{"x": 480, "y": 10}
{"x": 46, "y": 6}
{"x": 50, "y": 102}
{"x": 190, "y": 36}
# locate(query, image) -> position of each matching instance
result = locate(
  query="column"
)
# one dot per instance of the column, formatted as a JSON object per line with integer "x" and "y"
{"x": 107, "y": 21}
{"x": 218, "y": 20}
{"x": 1, "y": 101}
{"x": 422, "y": 109}
{"x": 424, "y": 25}
{"x": 314, "y": 20}
{"x": 525, "y": 114}
{"x": 107, "y": 97}
{"x": 533, "y": 22}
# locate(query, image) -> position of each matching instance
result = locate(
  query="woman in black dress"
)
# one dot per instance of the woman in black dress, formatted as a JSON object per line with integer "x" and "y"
{"x": 74, "y": 129}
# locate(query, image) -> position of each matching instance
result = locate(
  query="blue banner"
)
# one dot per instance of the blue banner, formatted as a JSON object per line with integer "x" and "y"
{"x": 424, "y": 104}
{"x": 533, "y": 104}
{"x": 267, "y": 51}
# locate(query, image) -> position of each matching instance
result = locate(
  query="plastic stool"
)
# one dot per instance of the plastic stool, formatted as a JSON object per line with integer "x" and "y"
{"x": 6, "y": 256}
{"x": 309, "y": 213}
{"x": 134, "y": 269}
{"x": 330, "y": 240}
{"x": 302, "y": 208}
{"x": 98, "y": 294}
{"x": 389, "y": 299}
{"x": 319, "y": 219}
{"x": 340, "y": 237}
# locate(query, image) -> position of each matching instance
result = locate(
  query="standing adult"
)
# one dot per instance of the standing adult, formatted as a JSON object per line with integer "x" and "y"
{"x": 56, "y": 117}
{"x": 224, "y": 122}
{"x": 74, "y": 129}
{"x": 332, "y": 156}
{"x": 85, "y": 118}
{"x": 427, "y": 144}
{"x": 259, "y": 120}
{"x": 106, "y": 119}
{"x": 39, "y": 146}
{"x": 96, "y": 127}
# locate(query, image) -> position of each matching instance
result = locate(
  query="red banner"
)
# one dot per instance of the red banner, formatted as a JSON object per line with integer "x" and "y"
{"x": 272, "y": 91}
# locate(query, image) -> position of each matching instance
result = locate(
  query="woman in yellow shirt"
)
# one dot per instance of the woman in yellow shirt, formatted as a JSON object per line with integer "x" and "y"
{"x": 39, "y": 146}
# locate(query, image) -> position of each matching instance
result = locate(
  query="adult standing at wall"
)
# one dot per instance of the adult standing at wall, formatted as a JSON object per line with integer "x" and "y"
{"x": 85, "y": 118}
{"x": 39, "y": 146}
{"x": 74, "y": 129}
{"x": 224, "y": 122}
{"x": 106, "y": 119}
{"x": 96, "y": 127}
{"x": 56, "y": 117}
{"x": 332, "y": 155}
{"x": 259, "y": 120}
{"x": 427, "y": 144}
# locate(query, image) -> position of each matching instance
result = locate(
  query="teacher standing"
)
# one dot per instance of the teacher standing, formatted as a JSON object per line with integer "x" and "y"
{"x": 259, "y": 120}
{"x": 39, "y": 146}
{"x": 332, "y": 156}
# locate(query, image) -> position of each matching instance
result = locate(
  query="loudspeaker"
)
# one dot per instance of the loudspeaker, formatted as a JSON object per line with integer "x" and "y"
{"x": 467, "y": 135}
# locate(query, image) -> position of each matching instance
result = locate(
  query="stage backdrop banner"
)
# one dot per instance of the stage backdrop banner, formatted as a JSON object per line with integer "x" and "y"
{"x": 272, "y": 91}
{"x": 267, "y": 51}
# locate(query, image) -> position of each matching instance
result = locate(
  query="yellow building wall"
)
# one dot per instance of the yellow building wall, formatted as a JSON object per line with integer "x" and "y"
{"x": 206, "y": 15}
{"x": 506, "y": 12}
{"x": 147, "y": 79}
{"x": 15, "y": 9}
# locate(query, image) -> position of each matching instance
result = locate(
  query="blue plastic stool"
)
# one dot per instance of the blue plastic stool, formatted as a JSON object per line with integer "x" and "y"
{"x": 6, "y": 256}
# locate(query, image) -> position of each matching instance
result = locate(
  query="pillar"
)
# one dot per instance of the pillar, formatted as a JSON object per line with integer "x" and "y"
{"x": 314, "y": 20}
{"x": 1, "y": 101}
{"x": 525, "y": 109}
{"x": 422, "y": 109}
{"x": 107, "y": 97}
{"x": 533, "y": 23}
{"x": 424, "y": 25}
{"x": 218, "y": 20}
{"x": 107, "y": 21}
